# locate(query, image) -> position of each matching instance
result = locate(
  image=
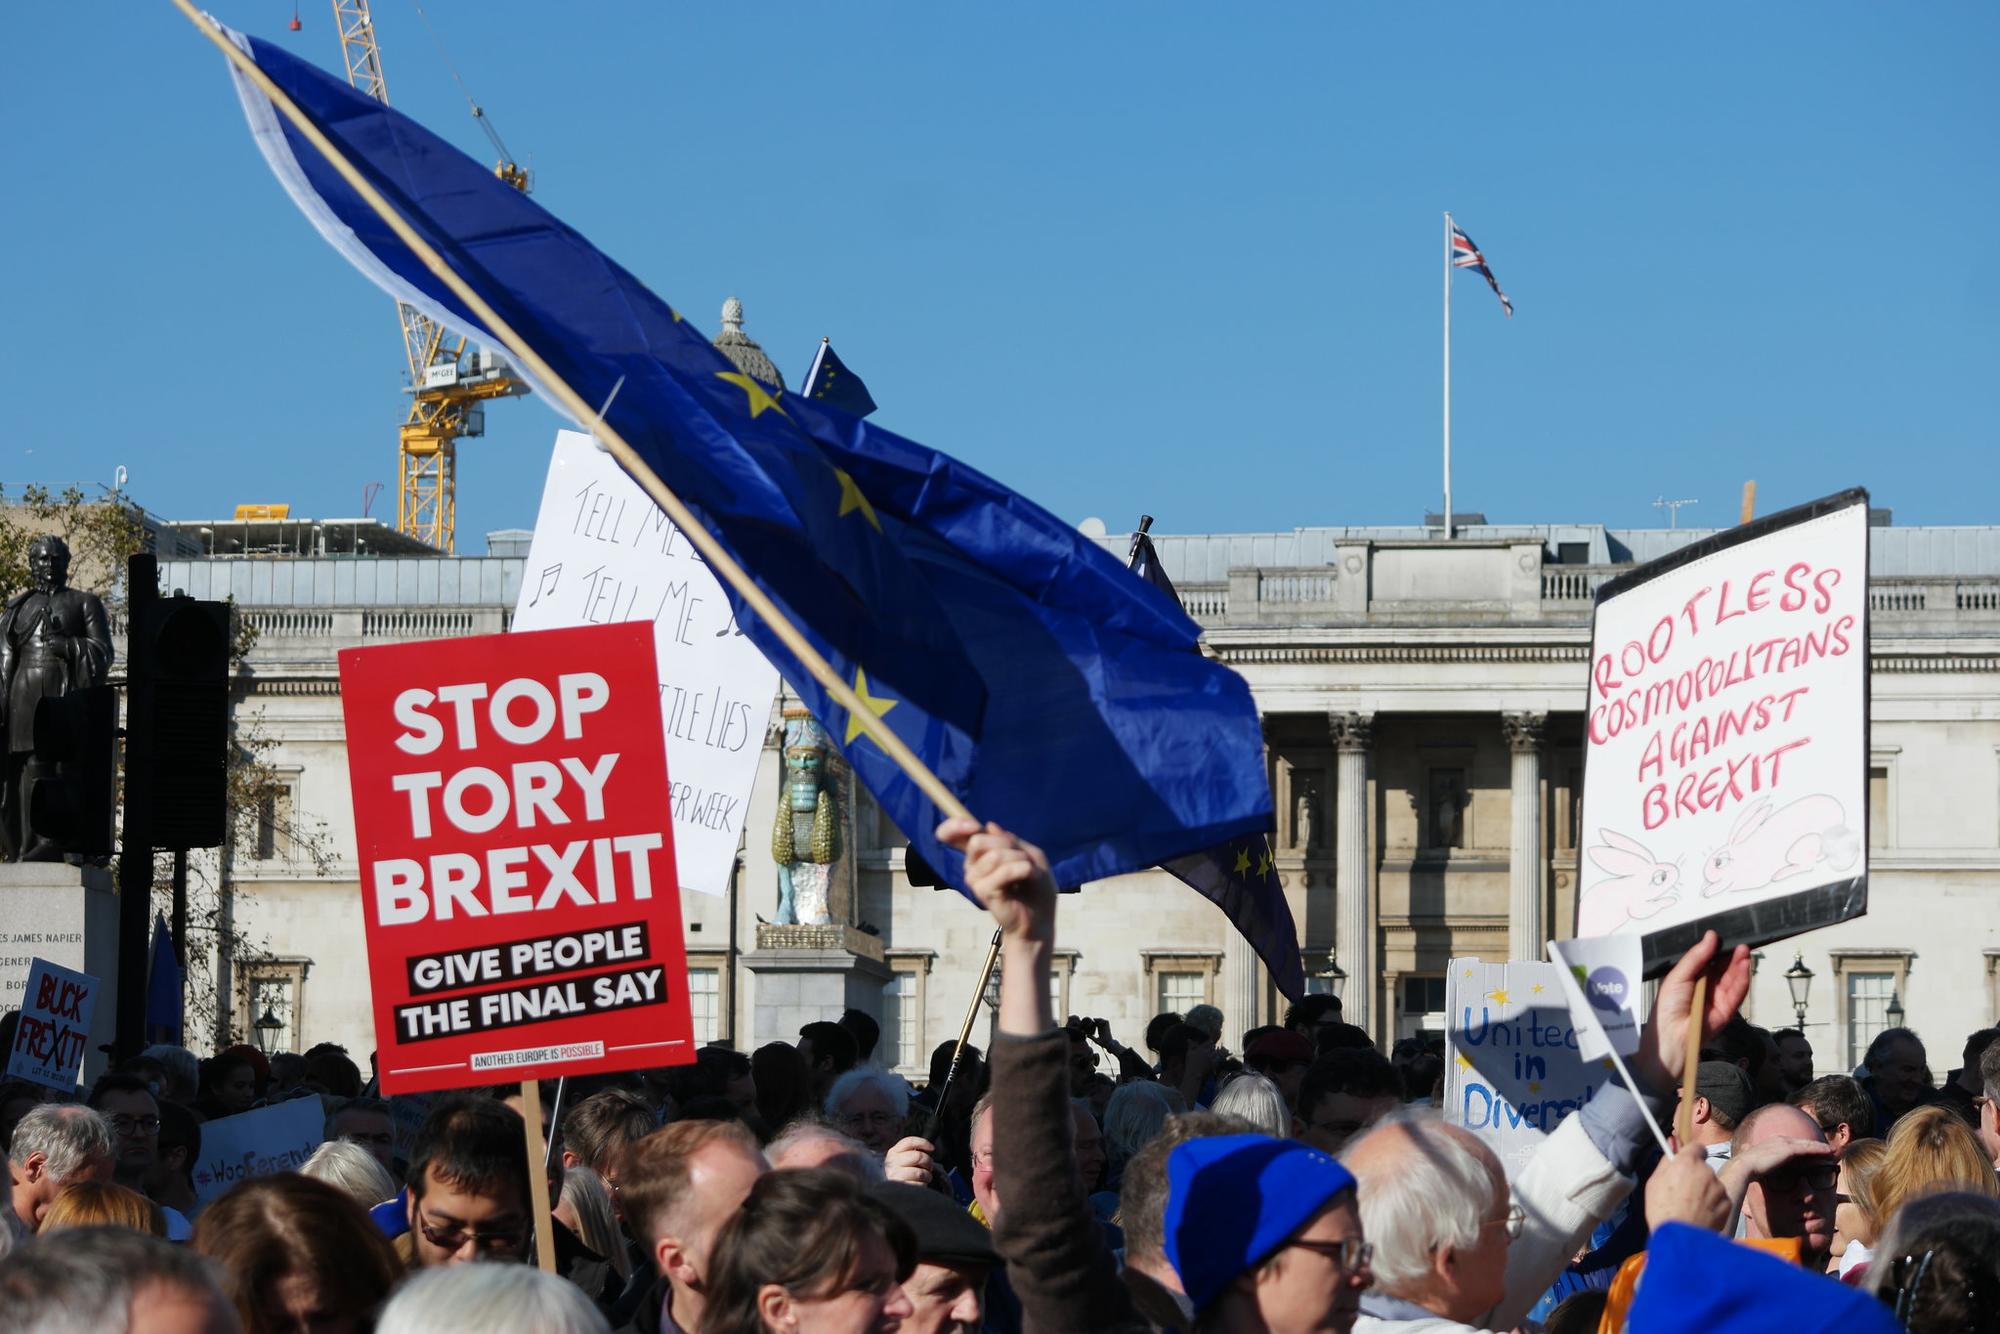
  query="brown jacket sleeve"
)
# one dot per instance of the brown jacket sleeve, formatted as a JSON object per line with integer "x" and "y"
{"x": 1057, "y": 1261}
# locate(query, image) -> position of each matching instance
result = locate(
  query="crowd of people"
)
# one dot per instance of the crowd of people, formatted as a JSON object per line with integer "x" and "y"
{"x": 1062, "y": 1181}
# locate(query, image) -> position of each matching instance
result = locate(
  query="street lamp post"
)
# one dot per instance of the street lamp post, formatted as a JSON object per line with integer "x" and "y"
{"x": 1799, "y": 978}
{"x": 1335, "y": 975}
{"x": 1894, "y": 1013}
{"x": 267, "y": 1025}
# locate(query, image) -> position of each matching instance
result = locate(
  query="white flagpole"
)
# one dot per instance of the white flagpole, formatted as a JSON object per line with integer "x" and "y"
{"x": 1447, "y": 377}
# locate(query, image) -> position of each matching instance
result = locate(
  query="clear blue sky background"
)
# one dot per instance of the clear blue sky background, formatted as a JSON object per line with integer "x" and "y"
{"x": 1173, "y": 258}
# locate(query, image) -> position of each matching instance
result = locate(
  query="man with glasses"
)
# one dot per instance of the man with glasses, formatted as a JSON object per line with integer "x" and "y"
{"x": 1781, "y": 1174}
{"x": 468, "y": 1185}
{"x": 126, "y": 1102}
{"x": 1987, "y": 1105}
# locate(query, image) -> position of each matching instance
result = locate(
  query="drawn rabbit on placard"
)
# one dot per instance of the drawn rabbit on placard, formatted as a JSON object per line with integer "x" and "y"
{"x": 1766, "y": 846}
{"x": 1639, "y": 885}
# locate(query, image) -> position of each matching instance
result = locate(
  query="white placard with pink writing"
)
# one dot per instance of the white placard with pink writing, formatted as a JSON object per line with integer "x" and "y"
{"x": 1726, "y": 736}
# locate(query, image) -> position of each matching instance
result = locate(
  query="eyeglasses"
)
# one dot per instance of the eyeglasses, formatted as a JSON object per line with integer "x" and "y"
{"x": 136, "y": 1125}
{"x": 1350, "y": 1254}
{"x": 1817, "y": 1175}
{"x": 982, "y": 1158}
{"x": 453, "y": 1239}
{"x": 864, "y": 1120}
{"x": 1516, "y": 1219}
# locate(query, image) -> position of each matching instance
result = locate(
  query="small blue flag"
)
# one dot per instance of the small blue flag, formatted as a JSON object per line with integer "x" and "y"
{"x": 830, "y": 382}
{"x": 1237, "y": 877}
{"x": 163, "y": 989}
{"x": 1041, "y": 683}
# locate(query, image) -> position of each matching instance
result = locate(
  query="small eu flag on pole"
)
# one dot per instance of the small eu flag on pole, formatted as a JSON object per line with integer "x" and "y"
{"x": 833, "y": 384}
{"x": 1236, "y": 876}
{"x": 163, "y": 989}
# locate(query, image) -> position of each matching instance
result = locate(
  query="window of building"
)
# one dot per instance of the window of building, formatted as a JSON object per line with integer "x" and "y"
{"x": 904, "y": 997}
{"x": 273, "y": 994}
{"x": 267, "y": 836}
{"x": 1574, "y": 553}
{"x": 1062, "y": 969}
{"x": 1868, "y": 997}
{"x": 1181, "y": 992}
{"x": 705, "y": 1003}
{"x": 900, "y": 1031}
{"x": 1179, "y": 980}
{"x": 1422, "y": 1012}
{"x": 1878, "y": 807}
{"x": 1444, "y": 809}
{"x": 1866, "y": 981}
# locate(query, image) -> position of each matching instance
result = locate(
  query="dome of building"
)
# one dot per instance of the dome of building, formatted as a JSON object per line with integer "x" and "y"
{"x": 742, "y": 349}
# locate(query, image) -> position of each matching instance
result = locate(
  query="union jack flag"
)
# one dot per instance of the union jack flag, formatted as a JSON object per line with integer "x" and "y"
{"x": 1465, "y": 255}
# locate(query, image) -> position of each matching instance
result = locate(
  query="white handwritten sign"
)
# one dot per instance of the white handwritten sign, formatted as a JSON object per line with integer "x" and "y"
{"x": 1512, "y": 1071}
{"x": 257, "y": 1143}
{"x": 603, "y": 552}
{"x": 1726, "y": 737}
{"x": 54, "y": 1027}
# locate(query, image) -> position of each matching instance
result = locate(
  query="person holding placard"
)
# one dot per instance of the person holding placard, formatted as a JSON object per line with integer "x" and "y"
{"x": 1457, "y": 1247}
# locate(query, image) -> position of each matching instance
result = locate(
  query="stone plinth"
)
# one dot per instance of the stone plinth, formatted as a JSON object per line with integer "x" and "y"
{"x": 809, "y": 973}
{"x": 69, "y": 916}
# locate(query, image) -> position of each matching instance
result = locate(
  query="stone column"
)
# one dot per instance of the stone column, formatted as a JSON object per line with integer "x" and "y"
{"x": 1527, "y": 930}
{"x": 1354, "y": 937}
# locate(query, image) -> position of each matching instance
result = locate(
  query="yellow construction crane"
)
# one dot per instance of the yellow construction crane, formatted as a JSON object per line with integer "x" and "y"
{"x": 447, "y": 388}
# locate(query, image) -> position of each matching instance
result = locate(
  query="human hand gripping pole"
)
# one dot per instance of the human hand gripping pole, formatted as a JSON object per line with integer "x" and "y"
{"x": 1699, "y": 995}
{"x": 1011, "y": 880}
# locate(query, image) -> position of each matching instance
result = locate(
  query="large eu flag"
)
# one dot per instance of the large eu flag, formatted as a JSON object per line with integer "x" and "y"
{"x": 1236, "y": 876}
{"x": 1044, "y": 685}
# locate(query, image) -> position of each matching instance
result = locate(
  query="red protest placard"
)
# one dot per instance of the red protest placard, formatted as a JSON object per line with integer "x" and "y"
{"x": 516, "y": 857}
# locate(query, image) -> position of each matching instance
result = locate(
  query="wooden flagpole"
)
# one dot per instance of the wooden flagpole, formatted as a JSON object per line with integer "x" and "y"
{"x": 712, "y": 551}
{"x": 1691, "y": 1063}
{"x": 538, "y": 1175}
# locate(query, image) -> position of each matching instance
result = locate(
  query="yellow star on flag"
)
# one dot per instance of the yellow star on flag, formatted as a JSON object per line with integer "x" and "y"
{"x": 1463, "y": 1062}
{"x": 1468, "y": 972}
{"x": 760, "y": 397}
{"x": 1534, "y": 1086}
{"x": 851, "y": 500}
{"x": 1242, "y": 866}
{"x": 1264, "y": 863}
{"x": 1536, "y": 989}
{"x": 876, "y": 706}
{"x": 1499, "y": 997}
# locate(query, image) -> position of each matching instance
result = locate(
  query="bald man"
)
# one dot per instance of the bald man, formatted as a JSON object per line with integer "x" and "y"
{"x": 1782, "y": 1174}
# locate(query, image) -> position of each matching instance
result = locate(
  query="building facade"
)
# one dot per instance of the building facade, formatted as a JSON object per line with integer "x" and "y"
{"x": 1422, "y": 704}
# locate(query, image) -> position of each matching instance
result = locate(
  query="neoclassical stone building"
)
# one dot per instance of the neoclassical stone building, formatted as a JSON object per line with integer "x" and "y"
{"x": 1422, "y": 703}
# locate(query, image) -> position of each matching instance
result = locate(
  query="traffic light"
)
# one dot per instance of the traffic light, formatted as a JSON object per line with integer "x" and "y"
{"x": 71, "y": 801}
{"x": 178, "y": 669}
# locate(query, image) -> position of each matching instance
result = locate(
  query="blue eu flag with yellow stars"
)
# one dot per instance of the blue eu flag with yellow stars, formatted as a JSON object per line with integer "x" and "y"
{"x": 1236, "y": 876}
{"x": 1045, "y": 686}
{"x": 829, "y": 381}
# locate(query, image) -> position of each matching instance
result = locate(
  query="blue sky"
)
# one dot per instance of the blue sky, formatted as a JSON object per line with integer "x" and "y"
{"x": 1167, "y": 258}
